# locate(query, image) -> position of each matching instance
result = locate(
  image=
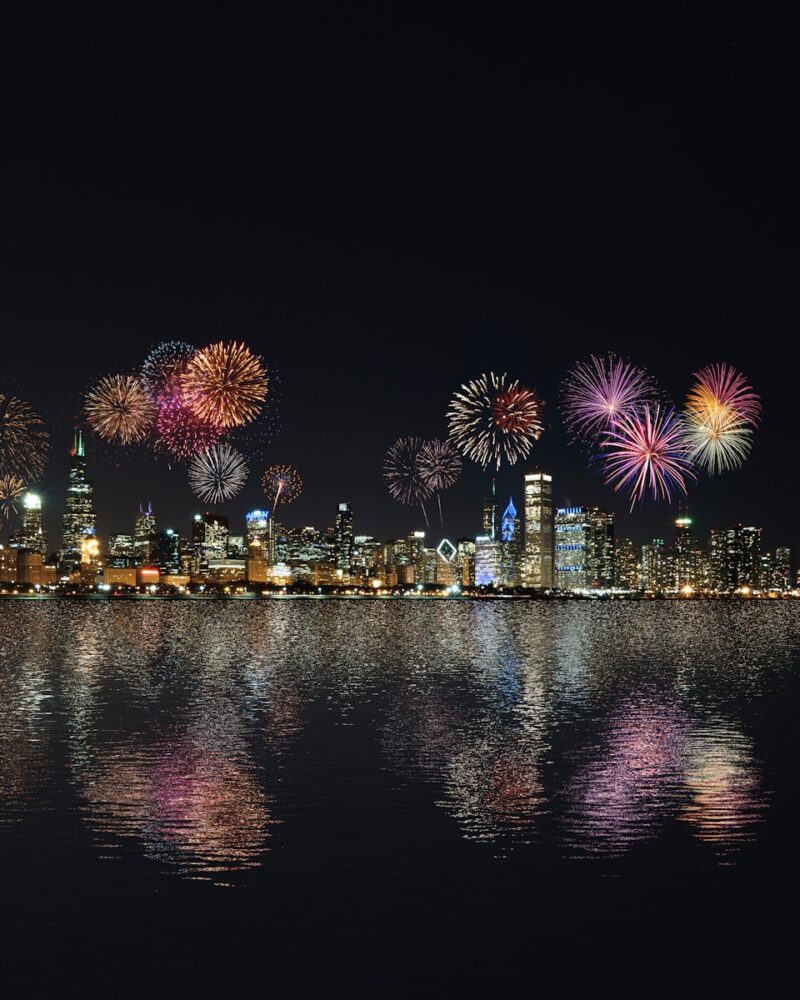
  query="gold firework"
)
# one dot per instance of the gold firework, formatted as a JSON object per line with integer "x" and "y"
{"x": 120, "y": 410}
{"x": 23, "y": 440}
{"x": 225, "y": 383}
{"x": 11, "y": 489}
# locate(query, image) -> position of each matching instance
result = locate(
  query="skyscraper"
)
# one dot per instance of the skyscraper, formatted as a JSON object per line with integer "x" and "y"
{"x": 601, "y": 561}
{"x": 80, "y": 518}
{"x": 343, "y": 538}
{"x": 489, "y": 521}
{"x": 572, "y": 535}
{"x": 209, "y": 537}
{"x": 512, "y": 546}
{"x": 735, "y": 558}
{"x": 782, "y": 569}
{"x": 143, "y": 531}
{"x": 31, "y": 535}
{"x": 166, "y": 553}
{"x": 539, "y": 562}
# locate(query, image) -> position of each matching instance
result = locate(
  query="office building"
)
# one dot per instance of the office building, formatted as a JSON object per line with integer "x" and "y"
{"x": 143, "y": 531}
{"x": 166, "y": 552}
{"x": 80, "y": 518}
{"x": 121, "y": 550}
{"x": 513, "y": 548}
{"x": 343, "y": 538}
{"x": 209, "y": 537}
{"x": 735, "y": 558}
{"x": 539, "y": 559}
{"x": 488, "y": 561}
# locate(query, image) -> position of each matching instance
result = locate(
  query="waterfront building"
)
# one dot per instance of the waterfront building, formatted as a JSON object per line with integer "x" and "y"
{"x": 119, "y": 576}
{"x": 602, "y": 554}
{"x": 654, "y": 573}
{"x": 8, "y": 565}
{"x": 539, "y": 560}
{"x": 465, "y": 558}
{"x": 735, "y": 558}
{"x": 256, "y": 570}
{"x": 166, "y": 552}
{"x": 91, "y": 564}
{"x": 209, "y": 537}
{"x": 572, "y": 540}
{"x": 143, "y": 531}
{"x": 782, "y": 570}
{"x": 80, "y": 518}
{"x": 30, "y": 535}
{"x": 33, "y": 570}
{"x": 627, "y": 565}
{"x": 512, "y": 546}
{"x": 257, "y": 528}
{"x": 343, "y": 538}
{"x": 488, "y": 561}
{"x": 121, "y": 550}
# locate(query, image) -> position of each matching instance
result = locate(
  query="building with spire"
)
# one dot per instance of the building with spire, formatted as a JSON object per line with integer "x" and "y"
{"x": 80, "y": 518}
{"x": 144, "y": 529}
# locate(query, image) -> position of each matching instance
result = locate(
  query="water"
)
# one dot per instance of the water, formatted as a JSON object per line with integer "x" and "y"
{"x": 438, "y": 793}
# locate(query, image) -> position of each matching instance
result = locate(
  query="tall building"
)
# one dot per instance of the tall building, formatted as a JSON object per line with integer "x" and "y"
{"x": 572, "y": 535}
{"x": 602, "y": 555}
{"x": 80, "y": 518}
{"x": 782, "y": 570}
{"x": 488, "y": 561}
{"x": 627, "y": 565}
{"x": 539, "y": 559}
{"x": 31, "y": 534}
{"x": 654, "y": 572}
{"x": 210, "y": 537}
{"x": 343, "y": 538}
{"x": 512, "y": 546}
{"x": 735, "y": 558}
{"x": 257, "y": 527}
{"x": 143, "y": 531}
{"x": 121, "y": 550}
{"x": 166, "y": 552}
{"x": 489, "y": 521}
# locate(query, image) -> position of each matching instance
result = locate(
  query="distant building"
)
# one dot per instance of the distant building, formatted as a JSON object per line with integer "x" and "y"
{"x": 31, "y": 535}
{"x": 654, "y": 575}
{"x": 735, "y": 558}
{"x": 539, "y": 560}
{"x": 257, "y": 528}
{"x": 143, "y": 532}
{"x": 782, "y": 570}
{"x": 209, "y": 537}
{"x": 627, "y": 565}
{"x": 489, "y": 522}
{"x": 488, "y": 561}
{"x": 121, "y": 550}
{"x": 33, "y": 570}
{"x": 513, "y": 547}
{"x": 166, "y": 552}
{"x": 8, "y": 565}
{"x": 343, "y": 538}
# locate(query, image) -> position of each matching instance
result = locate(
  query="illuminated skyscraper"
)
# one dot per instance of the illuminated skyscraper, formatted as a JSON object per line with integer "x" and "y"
{"x": 209, "y": 537}
{"x": 343, "y": 538}
{"x": 143, "y": 532}
{"x": 166, "y": 553}
{"x": 120, "y": 550}
{"x": 257, "y": 525}
{"x": 31, "y": 535}
{"x": 627, "y": 565}
{"x": 600, "y": 566}
{"x": 512, "y": 546}
{"x": 488, "y": 561}
{"x": 489, "y": 526}
{"x": 572, "y": 548}
{"x": 782, "y": 570}
{"x": 539, "y": 561}
{"x": 735, "y": 558}
{"x": 80, "y": 518}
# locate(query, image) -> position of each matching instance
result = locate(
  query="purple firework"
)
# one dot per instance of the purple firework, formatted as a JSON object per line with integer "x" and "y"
{"x": 598, "y": 392}
{"x": 648, "y": 451}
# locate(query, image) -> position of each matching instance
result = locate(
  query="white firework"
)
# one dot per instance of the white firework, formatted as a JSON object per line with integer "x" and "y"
{"x": 217, "y": 474}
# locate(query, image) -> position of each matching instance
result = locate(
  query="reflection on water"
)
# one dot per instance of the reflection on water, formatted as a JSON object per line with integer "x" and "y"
{"x": 177, "y": 729}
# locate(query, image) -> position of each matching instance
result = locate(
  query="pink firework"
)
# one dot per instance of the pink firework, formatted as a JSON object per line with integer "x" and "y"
{"x": 721, "y": 390}
{"x": 647, "y": 452}
{"x": 179, "y": 431}
{"x": 599, "y": 391}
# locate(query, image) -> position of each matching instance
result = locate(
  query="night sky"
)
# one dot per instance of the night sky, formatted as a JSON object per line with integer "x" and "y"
{"x": 386, "y": 201}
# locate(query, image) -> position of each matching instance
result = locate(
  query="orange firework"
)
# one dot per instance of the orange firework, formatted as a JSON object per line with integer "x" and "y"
{"x": 23, "y": 440}
{"x": 517, "y": 410}
{"x": 225, "y": 384}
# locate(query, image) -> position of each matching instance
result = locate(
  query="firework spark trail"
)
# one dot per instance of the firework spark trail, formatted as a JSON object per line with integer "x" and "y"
{"x": 11, "y": 489}
{"x": 24, "y": 442}
{"x": 120, "y": 410}
{"x": 598, "y": 391}
{"x": 218, "y": 474}
{"x": 721, "y": 389}
{"x": 648, "y": 452}
{"x": 492, "y": 419}
{"x": 226, "y": 384}
{"x": 282, "y": 483}
{"x": 440, "y": 467}
{"x": 163, "y": 367}
{"x": 403, "y": 474}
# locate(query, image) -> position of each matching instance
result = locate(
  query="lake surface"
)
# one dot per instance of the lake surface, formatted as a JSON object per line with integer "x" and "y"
{"x": 295, "y": 793}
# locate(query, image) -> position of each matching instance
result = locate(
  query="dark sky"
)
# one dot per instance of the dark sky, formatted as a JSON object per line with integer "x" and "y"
{"x": 387, "y": 200}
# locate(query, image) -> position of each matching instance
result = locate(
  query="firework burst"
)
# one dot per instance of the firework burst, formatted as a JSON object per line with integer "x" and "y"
{"x": 164, "y": 365}
{"x": 598, "y": 391}
{"x": 492, "y": 420}
{"x": 23, "y": 440}
{"x": 11, "y": 489}
{"x": 648, "y": 452}
{"x": 402, "y": 471}
{"x": 119, "y": 409}
{"x": 180, "y": 432}
{"x": 226, "y": 384}
{"x": 282, "y": 484}
{"x": 218, "y": 474}
{"x": 439, "y": 464}
{"x": 722, "y": 391}
{"x": 718, "y": 441}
